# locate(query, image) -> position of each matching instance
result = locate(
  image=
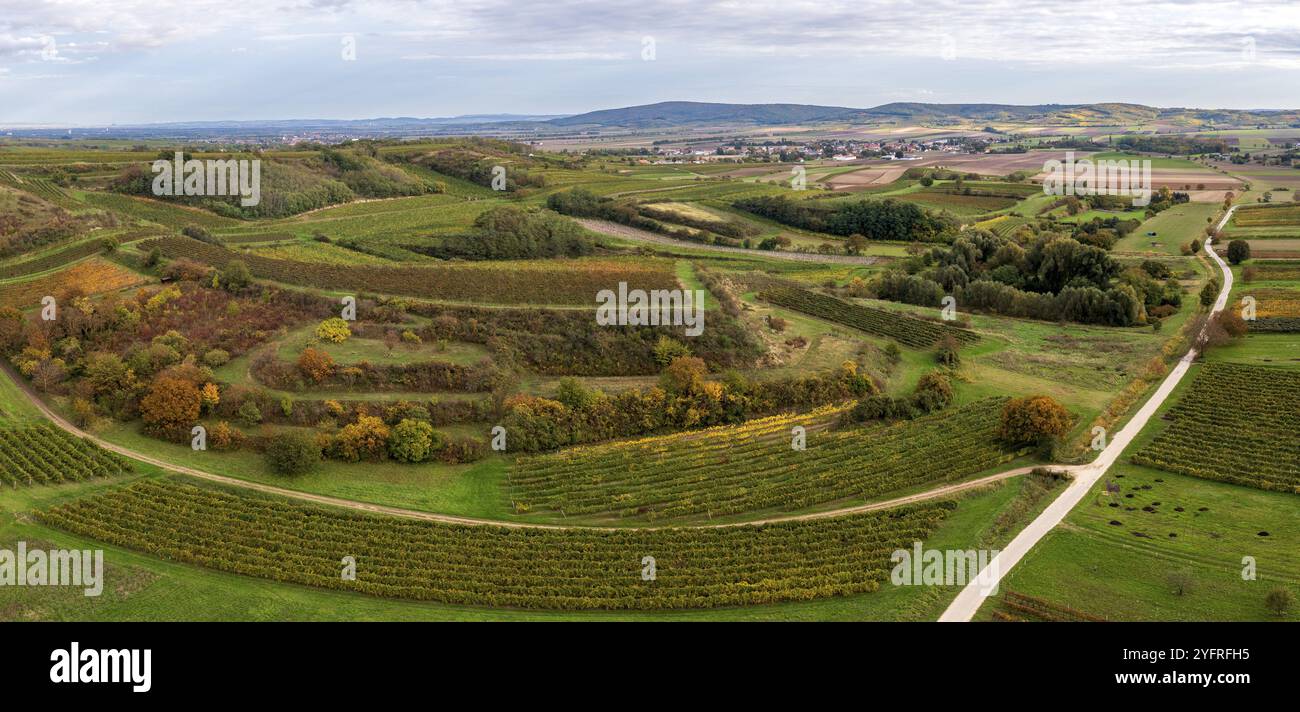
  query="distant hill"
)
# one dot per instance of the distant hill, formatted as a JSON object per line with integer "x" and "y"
{"x": 676, "y": 113}
{"x": 680, "y": 113}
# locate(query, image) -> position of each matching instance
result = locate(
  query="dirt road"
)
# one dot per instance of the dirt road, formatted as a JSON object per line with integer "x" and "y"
{"x": 969, "y": 600}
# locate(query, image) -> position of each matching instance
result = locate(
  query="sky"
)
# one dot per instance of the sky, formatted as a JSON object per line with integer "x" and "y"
{"x": 100, "y": 62}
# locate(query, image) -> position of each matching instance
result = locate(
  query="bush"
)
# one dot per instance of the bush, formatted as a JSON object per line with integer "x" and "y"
{"x": 216, "y": 358}
{"x": 249, "y": 413}
{"x": 1279, "y": 600}
{"x": 333, "y": 330}
{"x": 1180, "y": 582}
{"x": 235, "y": 275}
{"x": 293, "y": 453}
{"x": 933, "y": 392}
{"x": 315, "y": 365}
{"x": 948, "y": 355}
{"x": 366, "y": 439}
{"x": 413, "y": 441}
{"x": 1033, "y": 420}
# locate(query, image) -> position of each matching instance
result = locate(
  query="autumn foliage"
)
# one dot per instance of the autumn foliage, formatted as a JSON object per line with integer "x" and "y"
{"x": 171, "y": 407}
{"x": 1033, "y": 420}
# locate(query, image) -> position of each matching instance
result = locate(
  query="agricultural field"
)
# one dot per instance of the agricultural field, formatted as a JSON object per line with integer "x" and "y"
{"x": 571, "y": 569}
{"x": 473, "y": 414}
{"x": 752, "y": 467}
{"x": 1234, "y": 424}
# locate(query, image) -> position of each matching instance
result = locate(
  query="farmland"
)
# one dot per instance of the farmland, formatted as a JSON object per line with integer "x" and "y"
{"x": 1234, "y": 425}
{"x": 753, "y": 467}
{"x": 618, "y": 442}
{"x": 568, "y": 569}
{"x": 907, "y": 330}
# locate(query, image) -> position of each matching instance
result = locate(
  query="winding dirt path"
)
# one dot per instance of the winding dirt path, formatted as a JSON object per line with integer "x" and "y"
{"x": 968, "y": 601}
{"x": 63, "y": 423}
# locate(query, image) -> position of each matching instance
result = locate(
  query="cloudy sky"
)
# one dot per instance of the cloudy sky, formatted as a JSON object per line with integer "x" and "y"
{"x": 94, "y": 62}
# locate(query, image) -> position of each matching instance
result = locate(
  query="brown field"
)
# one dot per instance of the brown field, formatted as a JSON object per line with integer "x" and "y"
{"x": 92, "y": 277}
{"x": 866, "y": 178}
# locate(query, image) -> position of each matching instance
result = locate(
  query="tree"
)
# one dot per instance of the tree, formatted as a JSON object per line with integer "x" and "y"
{"x": 333, "y": 330}
{"x": 171, "y": 407}
{"x": 855, "y": 244}
{"x": 949, "y": 352}
{"x": 667, "y": 349}
{"x": 412, "y": 441}
{"x": 210, "y": 397}
{"x": 684, "y": 375}
{"x": 1180, "y": 582}
{"x": 1033, "y": 420}
{"x": 293, "y": 453}
{"x": 235, "y": 275}
{"x": 250, "y": 413}
{"x": 1238, "y": 251}
{"x": 366, "y": 439}
{"x": 315, "y": 364}
{"x": 11, "y": 331}
{"x": 1279, "y": 601}
{"x": 1209, "y": 293}
{"x": 933, "y": 392}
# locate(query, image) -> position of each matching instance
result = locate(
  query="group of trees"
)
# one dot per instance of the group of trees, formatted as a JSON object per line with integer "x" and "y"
{"x": 509, "y": 233}
{"x": 1049, "y": 276}
{"x": 874, "y": 219}
{"x": 685, "y": 398}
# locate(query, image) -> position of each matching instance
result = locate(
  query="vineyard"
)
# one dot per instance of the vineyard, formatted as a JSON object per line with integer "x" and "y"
{"x": 156, "y": 211}
{"x": 750, "y": 467}
{"x": 538, "y": 282}
{"x": 1278, "y": 311}
{"x": 1003, "y": 225}
{"x": 92, "y": 276}
{"x": 43, "y": 454}
{"x": 1236, "y": 424}
{"x": 1279, "y": 271}
{"x": 907, "y": 330}
{"x": 40, "y": 187}
{"x": 501, "y": 566}
{"x": 62, "y": 257}
{"x": 1280, "y": 216}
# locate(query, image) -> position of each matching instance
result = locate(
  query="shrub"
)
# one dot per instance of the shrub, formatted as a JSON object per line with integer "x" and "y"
{"x": 333, "y": 330}
{"x": 947, "y": 354}
{"x": 1180, "y": 582}
{"x": 235, "y": 275}
{"x": 315, "y": 364}
{"x": 293, "y": 453}
{"x": 933, "y": 392}
{"x": 249, "y": 413}
{"x": 1033, "y": 420}
{"x": 1209, "y": 293}
{"x": 216, "y": 358}
{"x": 1279, "y": 601}
{"x": 413, "y": 441}
{"x": 667, "y": 349}
{"x": 366, "y": 439}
